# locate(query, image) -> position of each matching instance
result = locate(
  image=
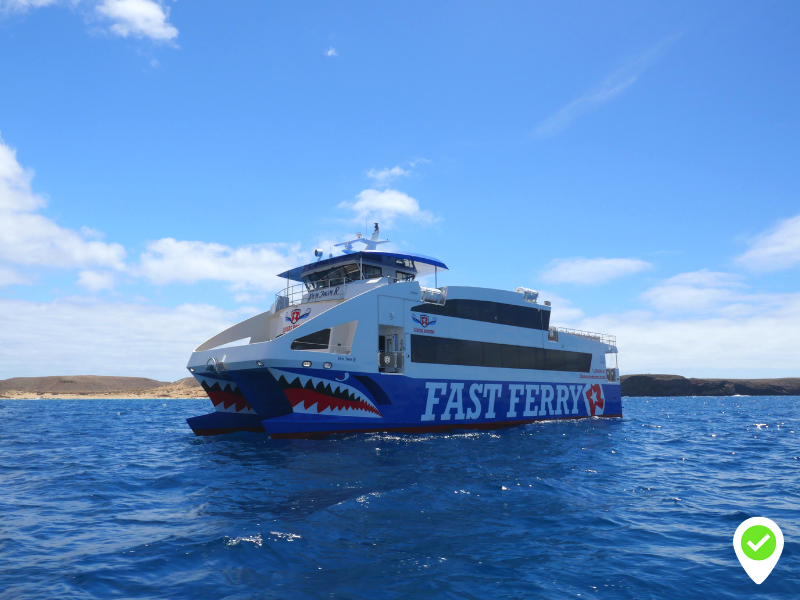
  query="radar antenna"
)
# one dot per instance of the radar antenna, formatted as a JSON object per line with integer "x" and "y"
{"x": 370, "y": 244}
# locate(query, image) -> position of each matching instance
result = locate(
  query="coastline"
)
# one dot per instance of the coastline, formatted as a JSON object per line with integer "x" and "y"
{"x": 99, "y": 387}
{"x": 676, "y": 385}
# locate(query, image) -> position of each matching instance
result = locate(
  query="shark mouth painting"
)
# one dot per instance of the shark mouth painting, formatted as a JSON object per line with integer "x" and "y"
{"x": 311, "y": 395}
{"x": 225, "y": 396}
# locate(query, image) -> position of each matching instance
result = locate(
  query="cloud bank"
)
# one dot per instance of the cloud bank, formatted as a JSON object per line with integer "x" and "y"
{"x": 592, "y": 270}
{"x": 774, "y": 250}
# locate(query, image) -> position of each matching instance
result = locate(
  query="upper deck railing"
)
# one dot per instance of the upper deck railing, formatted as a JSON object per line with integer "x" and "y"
{"x": 323, "y": 290}
{"x": 603, "y": 338}
{"x": 329, "y": 289}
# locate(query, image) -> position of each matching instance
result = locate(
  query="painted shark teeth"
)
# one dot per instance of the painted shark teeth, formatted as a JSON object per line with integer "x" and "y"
{"x": 332, "y": 391}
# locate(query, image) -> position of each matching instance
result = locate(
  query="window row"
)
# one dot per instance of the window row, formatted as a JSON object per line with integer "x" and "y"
{"x": 468, "y": 353}
{"x": 491, "y": 312}
{"x": 339, "y": 275}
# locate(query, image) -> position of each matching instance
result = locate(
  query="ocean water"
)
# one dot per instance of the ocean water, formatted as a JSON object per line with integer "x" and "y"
{"x": 118, "y": 499}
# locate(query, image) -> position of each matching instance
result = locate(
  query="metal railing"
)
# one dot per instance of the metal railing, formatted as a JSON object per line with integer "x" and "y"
{"x": 391, "y": 362}
{"x": 321, "y": 290}
{"x": 603, "y": 338}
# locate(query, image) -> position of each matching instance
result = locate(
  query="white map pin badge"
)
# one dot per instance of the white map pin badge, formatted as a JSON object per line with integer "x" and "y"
{"x": 758, "y": 543}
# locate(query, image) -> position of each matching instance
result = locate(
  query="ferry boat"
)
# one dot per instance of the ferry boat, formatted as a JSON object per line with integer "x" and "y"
{"x": 355, "y": 343}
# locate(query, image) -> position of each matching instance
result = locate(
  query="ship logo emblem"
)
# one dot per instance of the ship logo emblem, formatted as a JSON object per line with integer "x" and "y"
{"x": 594, "y": 395}
{"x": 296, "y": 315}
{"x": 423, "y": 320}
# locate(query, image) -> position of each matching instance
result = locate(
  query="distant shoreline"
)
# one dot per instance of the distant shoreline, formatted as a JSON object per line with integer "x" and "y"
{"x": 675, "y": 385}
{"x": 98, "y": 387}
{"x": 101, "y": 387}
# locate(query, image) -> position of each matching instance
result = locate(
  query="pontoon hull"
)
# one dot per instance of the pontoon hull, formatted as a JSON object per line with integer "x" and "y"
{"x": 301, "y": 402}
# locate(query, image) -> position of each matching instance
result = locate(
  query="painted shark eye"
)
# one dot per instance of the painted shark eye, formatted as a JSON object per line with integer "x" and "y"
{"x": 327, "y": 365}
{"x": 306, "y": 363}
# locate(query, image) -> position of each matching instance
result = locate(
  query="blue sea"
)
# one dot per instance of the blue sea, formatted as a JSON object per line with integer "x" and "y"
{"x": 118, "y": 499}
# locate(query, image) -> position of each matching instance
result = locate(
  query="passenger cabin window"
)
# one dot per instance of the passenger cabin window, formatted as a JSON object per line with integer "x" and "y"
{"x": 371, "y": 272}
{"x": 490, "y": 312}
{"x": 318, "y": 340}
{"x": 404, "y": 276}
{"x": 469, "y": 353}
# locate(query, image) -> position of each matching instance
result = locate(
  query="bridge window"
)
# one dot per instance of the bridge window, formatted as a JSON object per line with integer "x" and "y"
{"x": 404, "y": 276}
{"x": 371, "y": 272}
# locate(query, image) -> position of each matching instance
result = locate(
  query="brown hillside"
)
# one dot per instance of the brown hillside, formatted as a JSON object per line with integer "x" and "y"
{"x": 79, "y": 384}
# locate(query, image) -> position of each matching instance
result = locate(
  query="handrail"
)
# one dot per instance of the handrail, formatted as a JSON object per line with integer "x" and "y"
{"x": 603, "y": 338}
{"x": 297, "y": 294}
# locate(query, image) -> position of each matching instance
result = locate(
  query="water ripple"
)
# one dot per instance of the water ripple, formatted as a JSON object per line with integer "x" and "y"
{"x": 117, "y": 498}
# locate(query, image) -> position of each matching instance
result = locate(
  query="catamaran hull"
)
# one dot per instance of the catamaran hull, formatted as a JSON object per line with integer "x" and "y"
{"x": 307, "y": 403}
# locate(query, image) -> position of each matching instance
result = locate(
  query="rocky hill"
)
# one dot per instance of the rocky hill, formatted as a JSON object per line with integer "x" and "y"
{"x": 98, "y": 386}
{"x": 675, "y": 385}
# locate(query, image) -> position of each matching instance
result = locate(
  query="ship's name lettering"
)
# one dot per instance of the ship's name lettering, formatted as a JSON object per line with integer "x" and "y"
{"x": 337, "y": 291}
{"x": 457, "y": 402}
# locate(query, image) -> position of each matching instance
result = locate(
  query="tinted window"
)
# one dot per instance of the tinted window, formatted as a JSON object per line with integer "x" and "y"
{"x": 490, "y": 312}
{"x": 313, "y": 341}
{"x": 491, "y": 355}
{"x": 446, "y": 351}
{"x": 527, "y": 357}
{"x": 470, "y": 353}
{"x": 423, "y": 349}
{"x": 509, "y": 356}
{"x": 555, "y": 360}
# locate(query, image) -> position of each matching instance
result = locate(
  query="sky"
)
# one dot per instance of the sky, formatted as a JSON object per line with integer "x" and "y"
{"x": 161, "y": 162}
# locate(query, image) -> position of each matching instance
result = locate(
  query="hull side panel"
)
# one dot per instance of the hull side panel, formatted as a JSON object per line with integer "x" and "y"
{"x": 314, "y": 402}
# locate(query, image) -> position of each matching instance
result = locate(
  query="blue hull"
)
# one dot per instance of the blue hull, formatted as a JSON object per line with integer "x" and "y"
{"x": 316, "y": 402}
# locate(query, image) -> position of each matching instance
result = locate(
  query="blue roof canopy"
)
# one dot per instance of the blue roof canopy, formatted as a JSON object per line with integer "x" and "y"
{"x": 425, "y": 265}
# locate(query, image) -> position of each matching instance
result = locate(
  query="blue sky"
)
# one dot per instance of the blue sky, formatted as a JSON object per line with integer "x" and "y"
{"x": 161, "y": 161}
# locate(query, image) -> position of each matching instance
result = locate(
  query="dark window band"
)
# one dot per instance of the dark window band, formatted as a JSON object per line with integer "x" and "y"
{"x": 468, "y": 353}
{"x": 490, "y": 312}
{"x": 318, "y": 340}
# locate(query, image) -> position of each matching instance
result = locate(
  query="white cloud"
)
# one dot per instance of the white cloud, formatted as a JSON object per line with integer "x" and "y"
{"x": 608, "y": 89}
{"x": 71, "y": 336}
{"x": 12, "y": 277}
{"x": 775, "y": 250}
{"x": 386, "y": 206}
{"x": 331, "y": 52}
{"x": 246, "y": 267}
{"x": 696, "y": 292}
{"x": 592, "y": 270}
{"x": 383, "y": 176}
{"x": 759, "y": 344}
{"x": 23, "y": 5}
{"x": 94, "y": 281}
{"x": 708, "y": 292}
{"x": 28, "y": 238}
{"x": 704, "y": 324}
{"x": 138, "y": 18}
